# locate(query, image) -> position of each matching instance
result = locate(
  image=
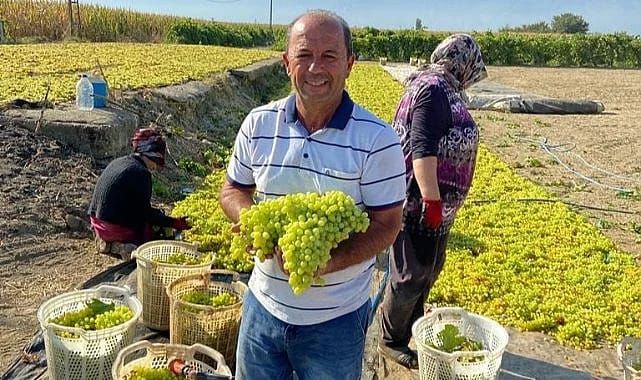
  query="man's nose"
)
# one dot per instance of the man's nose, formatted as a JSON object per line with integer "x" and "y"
{"x": 316, "y": 65}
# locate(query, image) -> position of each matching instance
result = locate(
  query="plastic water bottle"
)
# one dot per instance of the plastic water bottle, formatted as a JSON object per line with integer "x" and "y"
{"x": 84, "y": 94}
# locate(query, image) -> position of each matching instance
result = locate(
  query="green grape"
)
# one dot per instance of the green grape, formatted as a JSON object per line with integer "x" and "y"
{"x": 182, "y": 258}
{"x": 305, "y": 226}
{"x": 96, "y": 315}
{"x": 198, "y": 297}
{"x": 223, "y": 299}
{"x": 203, "y": 297}
{"x": 143, "y": 373}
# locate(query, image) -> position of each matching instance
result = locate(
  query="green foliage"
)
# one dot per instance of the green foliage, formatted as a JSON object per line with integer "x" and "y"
{"x": 160, "y": 189}
{"x": 196, "y": 32}
{"x": 503, "y": 48}
{"x": 418, "y": 25}
{"x": 192, "y": 167}
{"x": 539, "y": 27}
{"x": 569, "y": 23}
{"x": 452, "y": 340}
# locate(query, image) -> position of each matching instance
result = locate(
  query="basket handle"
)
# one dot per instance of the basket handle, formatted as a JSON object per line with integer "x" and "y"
{"x": 125, "y": 353}
{"x": 436, "y": 313}
{"x": 223, "y": 275}
{"x": 112, "y": 289}
{"x": 624, "y": 342}
{"x": 221, "y": 365}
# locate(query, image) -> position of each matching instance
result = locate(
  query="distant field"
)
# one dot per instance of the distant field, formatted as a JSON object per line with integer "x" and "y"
{"x": 27, "y": 70}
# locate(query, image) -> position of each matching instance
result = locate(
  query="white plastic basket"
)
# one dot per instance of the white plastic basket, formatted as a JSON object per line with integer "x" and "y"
{"x": 92, "y": 353}
{"x": 153, "y": 277}
{"x": 438, "y": 365}
{"x": 629, "y": 352}
{"x": 158, "y": 355}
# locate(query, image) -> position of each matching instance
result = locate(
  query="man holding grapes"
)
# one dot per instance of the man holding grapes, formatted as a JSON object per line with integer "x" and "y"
{"x": 315, "y": 140}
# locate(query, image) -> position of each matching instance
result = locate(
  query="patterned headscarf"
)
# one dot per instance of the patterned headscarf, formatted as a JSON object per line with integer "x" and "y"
{"x": 458, "y": 58}
{"x": 149, "y": 143}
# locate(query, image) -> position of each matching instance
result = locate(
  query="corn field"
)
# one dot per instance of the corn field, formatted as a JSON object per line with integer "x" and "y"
{"x": 46, "y": 20}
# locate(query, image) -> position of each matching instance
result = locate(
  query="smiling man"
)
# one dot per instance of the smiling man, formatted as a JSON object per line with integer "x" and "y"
{"x": 315, "y": 140}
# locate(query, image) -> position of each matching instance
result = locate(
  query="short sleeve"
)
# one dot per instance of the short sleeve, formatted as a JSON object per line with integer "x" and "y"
{"x": 383, "y": 178}
{"x": 431, "y": 119}
{"x": 239, "y": 170}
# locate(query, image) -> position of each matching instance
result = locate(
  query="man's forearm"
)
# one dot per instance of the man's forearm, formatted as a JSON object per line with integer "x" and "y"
{"x": 233, "y": 200}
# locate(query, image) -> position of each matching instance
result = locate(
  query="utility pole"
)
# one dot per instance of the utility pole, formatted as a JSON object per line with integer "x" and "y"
{"x": 271, "y": 12}
{"x": 74, "y": 22}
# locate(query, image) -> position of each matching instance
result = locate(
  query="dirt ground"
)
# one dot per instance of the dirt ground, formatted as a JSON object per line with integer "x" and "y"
{"x": 46, "y": 249}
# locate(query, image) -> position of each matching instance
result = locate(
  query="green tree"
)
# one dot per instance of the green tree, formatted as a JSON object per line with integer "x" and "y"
{"x": 569, "y": 23}
{"x": 539, "y": 27}
{"x": 419, "y": 24}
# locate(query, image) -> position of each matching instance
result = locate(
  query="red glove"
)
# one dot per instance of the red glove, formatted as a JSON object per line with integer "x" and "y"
{"x": 432, "y": 213}
{"x": 181, "y": 223}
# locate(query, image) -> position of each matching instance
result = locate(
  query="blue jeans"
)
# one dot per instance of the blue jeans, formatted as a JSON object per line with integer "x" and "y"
{"x": 270, "y": 349}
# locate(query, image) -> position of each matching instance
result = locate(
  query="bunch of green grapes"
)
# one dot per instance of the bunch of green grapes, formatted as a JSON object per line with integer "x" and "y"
{"x": 223, "y": 299}
{"x": 201, "y": 297}
{"x": 210, "y": 226}
{"x": 118, "y": 316}
{"x": 305, "y": 226}
{"x": 144, "y": 373}
{"x": 96, "y": 315}
{"x": 184, "y": 259}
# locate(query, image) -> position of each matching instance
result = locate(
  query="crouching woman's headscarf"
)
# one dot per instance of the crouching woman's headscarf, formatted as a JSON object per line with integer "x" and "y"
{"x": 149, "y": 143}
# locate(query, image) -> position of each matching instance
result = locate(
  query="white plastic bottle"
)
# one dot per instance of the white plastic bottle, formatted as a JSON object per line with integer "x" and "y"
{"x": 84, "y": 94}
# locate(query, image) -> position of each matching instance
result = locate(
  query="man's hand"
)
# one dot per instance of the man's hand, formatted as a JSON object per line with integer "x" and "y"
{"x": 278, "y": 256}
{"x": 181, "y": 223}
{"x": 432, "y": 213}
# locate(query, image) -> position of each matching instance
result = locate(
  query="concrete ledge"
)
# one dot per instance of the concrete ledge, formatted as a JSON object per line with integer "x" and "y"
{"x": 257, "y": 70}
{"x": 102, "y": 132}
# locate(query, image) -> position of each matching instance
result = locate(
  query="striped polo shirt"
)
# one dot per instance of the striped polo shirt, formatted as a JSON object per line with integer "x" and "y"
{"x": 356, "y": 153}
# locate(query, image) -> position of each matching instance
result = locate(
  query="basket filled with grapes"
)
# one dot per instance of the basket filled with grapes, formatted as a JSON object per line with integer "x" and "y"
{"x": 144, "y": 361}
{"x": 206, "y": 309}
{"x": 454, "y": 344}
{"x": 84, "y": 330}
{"x": 158, "y": 264}
{"x": 629, "y": 353}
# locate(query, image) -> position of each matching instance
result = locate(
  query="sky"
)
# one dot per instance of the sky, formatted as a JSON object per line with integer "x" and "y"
{"x": 603, "y": 16}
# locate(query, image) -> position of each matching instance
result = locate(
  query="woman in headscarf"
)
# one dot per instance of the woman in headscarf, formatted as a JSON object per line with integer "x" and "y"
{"x": 439, "y": 140}
{"x": 120, "y": 212}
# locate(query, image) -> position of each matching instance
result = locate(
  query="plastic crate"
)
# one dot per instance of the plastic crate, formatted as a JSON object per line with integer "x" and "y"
{"x": 629, "y": 353}
{"x": 158, "y": 355}
{"x": 216, "y": 327}
{"x": 92, "y": 353}
{"x": 438, "y": 365}
{"x": 154, "y": 277}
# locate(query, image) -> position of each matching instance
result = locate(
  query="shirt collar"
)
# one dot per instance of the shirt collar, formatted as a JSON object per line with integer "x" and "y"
{"x": 339, "y": 119}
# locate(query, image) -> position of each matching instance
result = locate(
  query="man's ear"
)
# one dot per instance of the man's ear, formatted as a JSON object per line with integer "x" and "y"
{"x": 286, "y": 61}
{"x": 350, "y": 63}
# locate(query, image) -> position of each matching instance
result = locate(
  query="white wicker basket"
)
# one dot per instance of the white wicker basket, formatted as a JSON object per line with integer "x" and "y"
{"x": 629, "y": 352}
{"x": 153, "y": 277}
{"x": 158, "y": 355}
{"x": 438, "y": 365}
{"x": 91, "y": 355}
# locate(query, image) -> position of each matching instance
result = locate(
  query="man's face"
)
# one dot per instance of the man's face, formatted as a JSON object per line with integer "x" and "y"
{"x": 317, "y": 60}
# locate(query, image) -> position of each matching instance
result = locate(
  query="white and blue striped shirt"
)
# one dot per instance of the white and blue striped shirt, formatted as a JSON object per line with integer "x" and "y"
{"x": 356, "y": 153}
